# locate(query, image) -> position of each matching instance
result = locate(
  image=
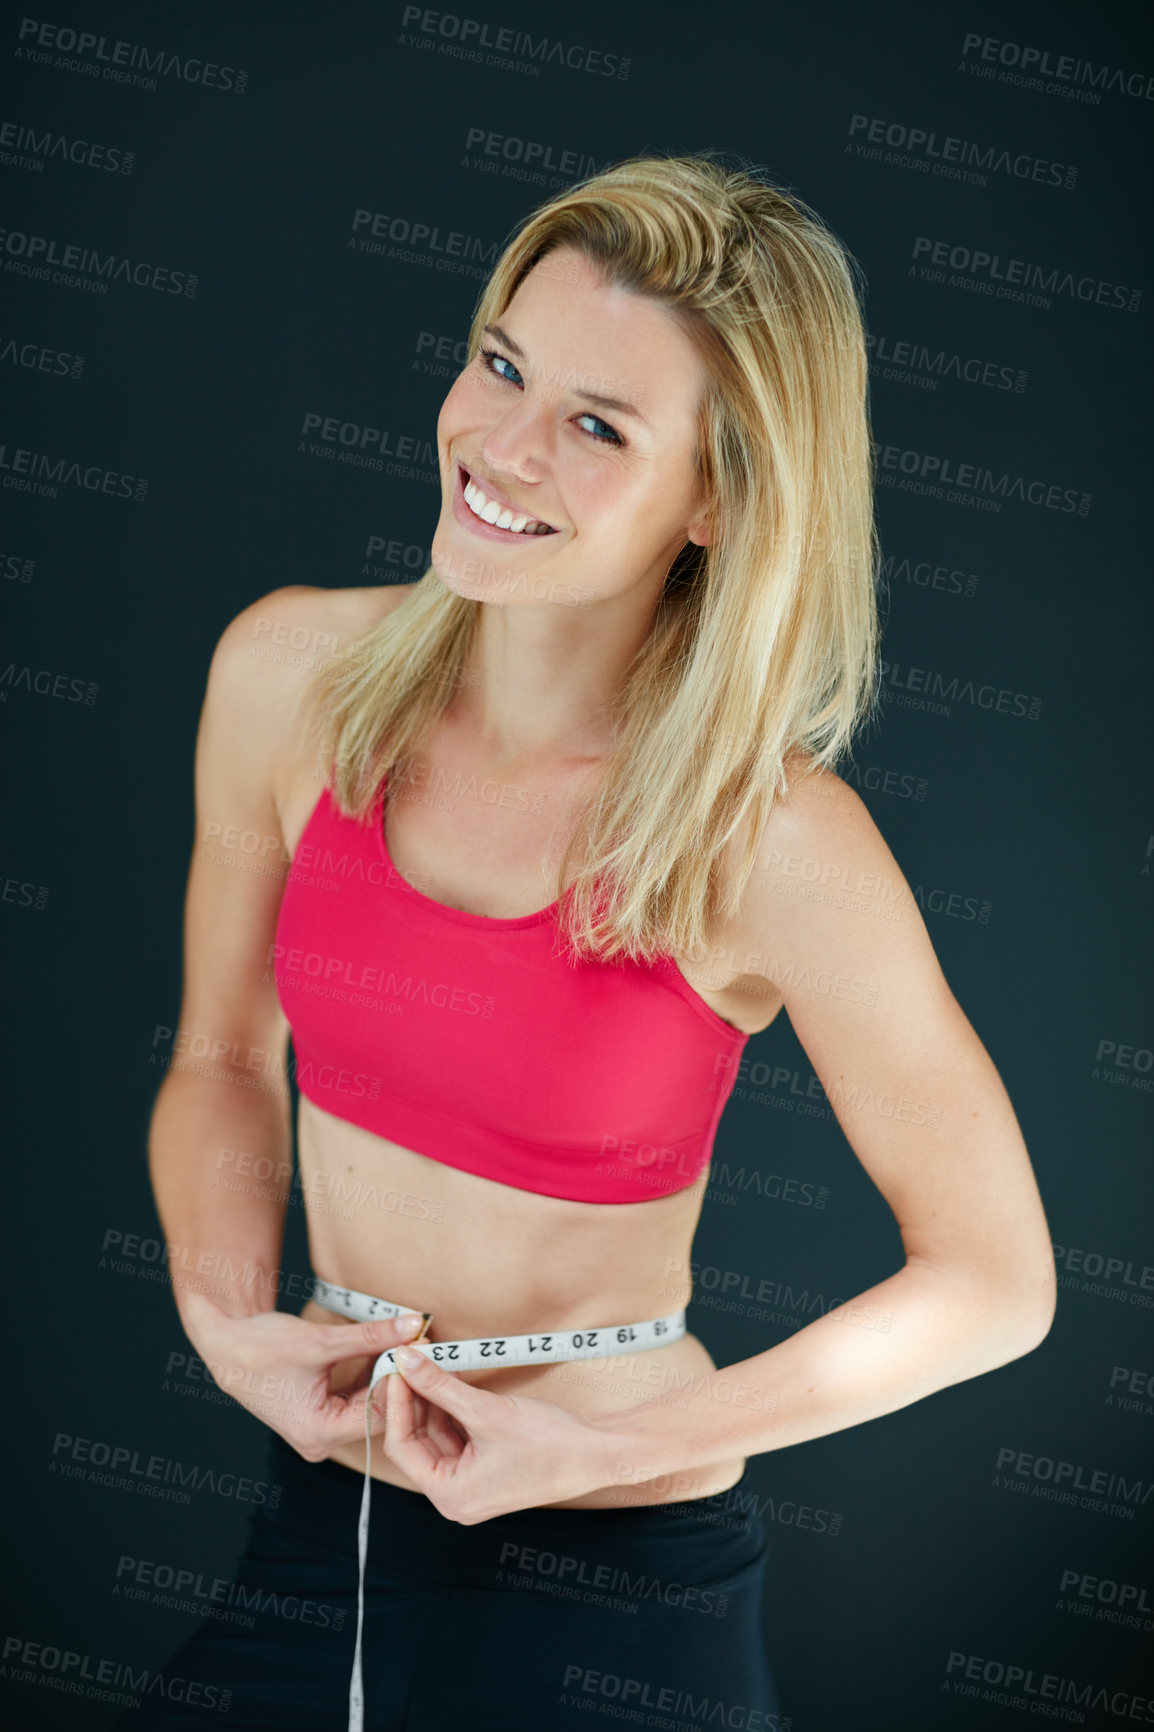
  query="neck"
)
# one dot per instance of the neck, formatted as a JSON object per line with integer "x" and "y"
{"x": 546, "y": 676}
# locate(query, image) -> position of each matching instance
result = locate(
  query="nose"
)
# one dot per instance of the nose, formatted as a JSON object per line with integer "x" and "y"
{"x": 517, "y": 444}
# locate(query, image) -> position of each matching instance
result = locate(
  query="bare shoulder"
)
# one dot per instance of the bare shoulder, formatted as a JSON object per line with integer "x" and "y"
{"x": 267, "y": 654}
{"x": 819, "y": 812}
{"x": 289, "y": 625}
{"x": 825, "y": 886}
{"x": 268, "y": 650}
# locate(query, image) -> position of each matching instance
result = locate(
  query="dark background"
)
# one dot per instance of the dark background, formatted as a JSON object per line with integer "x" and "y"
{"x": 1026, "y": 836}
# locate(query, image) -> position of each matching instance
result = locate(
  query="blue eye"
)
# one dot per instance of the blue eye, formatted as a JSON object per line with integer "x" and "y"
{"x": 489, "y": 360}
{"x": 611, "y": 439}
{"x": 492, "y": 355}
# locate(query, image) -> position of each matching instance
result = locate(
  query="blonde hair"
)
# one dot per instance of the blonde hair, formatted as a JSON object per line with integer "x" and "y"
{"x": 764, "y": 644}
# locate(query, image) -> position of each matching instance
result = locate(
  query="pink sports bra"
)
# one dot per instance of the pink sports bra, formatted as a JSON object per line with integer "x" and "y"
{"x": 483, "y": 1043}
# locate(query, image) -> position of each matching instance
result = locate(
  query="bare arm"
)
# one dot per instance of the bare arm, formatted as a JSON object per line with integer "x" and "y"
{"x": 223, "y": 1243}
{"x": 227, "y": 1089}
{"x": 223, "y": 1111}
{"x": 925, "y": 1111}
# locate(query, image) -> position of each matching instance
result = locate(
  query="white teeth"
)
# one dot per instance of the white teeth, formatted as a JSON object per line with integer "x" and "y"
{"x": 500, "y": 515}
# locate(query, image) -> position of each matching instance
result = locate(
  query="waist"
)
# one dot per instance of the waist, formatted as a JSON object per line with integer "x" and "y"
{"x": 492, "y": 1352}
{"x": 596, "y": 1370}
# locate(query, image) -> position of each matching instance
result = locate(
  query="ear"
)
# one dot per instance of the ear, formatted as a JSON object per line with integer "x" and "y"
{"x": 702, "y": 532}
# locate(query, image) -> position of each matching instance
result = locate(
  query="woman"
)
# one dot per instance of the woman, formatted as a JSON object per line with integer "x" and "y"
{"x": 647, "y": 633}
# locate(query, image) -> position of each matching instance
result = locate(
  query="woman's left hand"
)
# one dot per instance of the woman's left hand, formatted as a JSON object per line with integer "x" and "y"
{"x": 476, "y": 1454}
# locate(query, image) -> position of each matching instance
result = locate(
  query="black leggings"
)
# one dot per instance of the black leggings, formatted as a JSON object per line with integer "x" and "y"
{"x": 546, "y": 1618}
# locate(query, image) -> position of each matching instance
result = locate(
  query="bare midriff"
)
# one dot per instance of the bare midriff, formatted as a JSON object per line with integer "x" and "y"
{"x": 487, "y": 1259}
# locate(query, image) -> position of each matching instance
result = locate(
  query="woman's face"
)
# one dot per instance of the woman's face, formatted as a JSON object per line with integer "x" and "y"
{"x": 614, "y": 481}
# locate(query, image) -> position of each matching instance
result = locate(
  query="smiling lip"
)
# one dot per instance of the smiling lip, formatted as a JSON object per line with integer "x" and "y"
{"x": 477, "y": 524}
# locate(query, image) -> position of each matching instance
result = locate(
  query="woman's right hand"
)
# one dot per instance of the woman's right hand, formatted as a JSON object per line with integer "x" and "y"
{"x": 279, "y": 1367}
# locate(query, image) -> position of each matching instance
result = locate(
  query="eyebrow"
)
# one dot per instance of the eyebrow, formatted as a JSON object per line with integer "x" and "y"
{"x": 616, "y": 404}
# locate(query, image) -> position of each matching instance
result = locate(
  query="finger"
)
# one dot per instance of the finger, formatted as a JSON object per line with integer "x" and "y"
{"x": 443, "y": 1433}
{"x": 422, "y": 1438}
{"x": 340, "y": 1418}
{"x": 333, "y": 1421}
{"x": 405, "y": 1442}
{"x": 431, "y": 1423}
{"x": 355, "y": 1340}
{"x": 427, "y": 1421}
{"x": 462, "y": 1400}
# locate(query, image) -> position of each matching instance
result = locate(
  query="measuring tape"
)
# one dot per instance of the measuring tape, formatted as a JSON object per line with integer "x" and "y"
{"x": 474, "y": 1355}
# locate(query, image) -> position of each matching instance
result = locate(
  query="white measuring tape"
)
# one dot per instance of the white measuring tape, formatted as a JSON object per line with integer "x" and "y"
{"x": 475, "y": 1355}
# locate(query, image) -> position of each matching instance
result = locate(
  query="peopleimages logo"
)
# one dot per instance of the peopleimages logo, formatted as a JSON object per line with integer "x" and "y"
{"x": 47, "y": 684}
{"x": 398, "y": 237}
{"x": 1070, "y": 1482}
{"x": 1014, "y": 279}
{"x": 122, "y": 62}
{"x": 899, "y": 678}
{"x": 40, "y": 359}
{"x": 38, "y": 472}
{"x": 102, "y": 1679}
{"x": 154, "y": 1474}
{"x": 24, "y": 147}
{"x": 928, "y": 574}
{"x": 475, "y": 39}
{"x": 361, "y": 445}
{"x": 938, "y": 472}
{"x": 1021, "y": 1686}
{"x": 527, "y": 158}
{"x": 917, "y": 147}
{"x": 32, "y": 255}
{"x": 191, "y": 1591}
{"x": 911, "y": 362}
{"x": 1032, "y": 65}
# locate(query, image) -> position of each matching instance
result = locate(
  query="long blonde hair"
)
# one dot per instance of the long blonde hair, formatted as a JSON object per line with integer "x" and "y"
{"x": 764, "y": 644}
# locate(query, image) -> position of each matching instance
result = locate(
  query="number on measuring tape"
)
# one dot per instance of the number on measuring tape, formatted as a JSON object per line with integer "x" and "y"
{"x": 628, "y": 1334}
{"x": 497, "y": 1346}
{"x": 446, "y": 1351}
{"x": 544, "y": 1345}
{"x": 586, "y": 1339}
